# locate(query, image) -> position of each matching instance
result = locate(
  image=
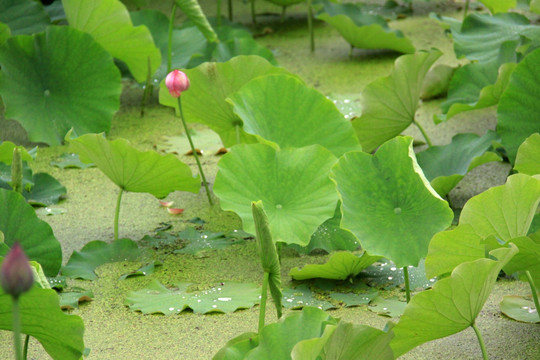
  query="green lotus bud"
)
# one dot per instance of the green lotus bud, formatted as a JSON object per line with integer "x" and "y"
{"x": 16, "y": 275}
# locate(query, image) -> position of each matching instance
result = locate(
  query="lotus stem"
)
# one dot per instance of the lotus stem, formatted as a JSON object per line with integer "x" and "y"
{"x": 262, "y": 311}
{"x": 218, "y": 16}
{"x": 194, "y": 151}
{"x": 16, "y": 171}
{"x": 230, "y": 11}
{"x": 148, "y": 87}
{"x": 424, "y": 134}
{"x": 17, "y": 329}
{"x": 407, "y": 285}
{"x": 25, "y": 347}
{"x": 534, "y": 292}
{"x": 466, "y": 9}
{"x": 253, "y": 16}
{"x": 117, "y": 213}
{"x": 480, "y": 341}
{"x": 169, "y": 41}
{"x": 283, "y": 11}
{"x": 310, "y": 26}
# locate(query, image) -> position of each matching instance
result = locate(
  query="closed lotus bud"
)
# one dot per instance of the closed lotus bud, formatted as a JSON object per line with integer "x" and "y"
{"x": 176, "y": 82}
{"x": 16, "y": 275}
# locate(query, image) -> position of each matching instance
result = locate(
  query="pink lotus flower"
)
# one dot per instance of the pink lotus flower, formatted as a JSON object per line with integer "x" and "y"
{"x": 16, "y": 276}
{"x": 176, "y": 81}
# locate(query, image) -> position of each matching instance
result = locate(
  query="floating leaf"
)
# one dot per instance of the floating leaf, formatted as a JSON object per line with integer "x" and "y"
{"x": 268, "y": 254}
{"x": 364, "y": 30}
{"x": 61, "y": 335}
{"x": 82, "y": 263}
{"x": 391, "y": 307}
{"x": 109, "y": 24}
{"x": 227, "y": 297}
{"x": 211, "y": 83}
{"x": 292, "y": 183}
{"x": 520, "y": 309}
{"x": 207, "y": 141}
{"x": 23, "y": 16}
{"x": 283, "y": 110}
{"x": 70, "y": 299}
{"x": 452, "y": 305}
{"x": 352, "y": 299}
{"x": 147, "y": 269}
{"x": 70, "y": 161}
{"x": 48, "y": 211}
{"x": 134, "y": 170}
{"x": 340, "y": 266}
{"x": 199, "y": 241}
{"x": 300, "y": 297}
{"x": 387, "y": 275}
{"x": 517, "y": 111}
{"x": 46, "y": 190}
{"x": 445, "y": 166}
{"x": 389, "y": 104}
{"x": 61, "y": 56}
{"x": 528, "y": 156}
{"x": 481, "y": 36}
{"x": 388, "y": 204}
{"x": 504, "y": 211}
{"x": 19, "y": 223}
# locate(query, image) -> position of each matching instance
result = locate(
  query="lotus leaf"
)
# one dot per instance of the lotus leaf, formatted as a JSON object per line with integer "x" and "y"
{"x": 437, "y": 81}
{"x": 353, "y": 299}
{"x": 528, "y": 156}
{"x": 481, "y": 36}
{"x": 224, "y": 297}
{"x": 147, "y": 269}
{"x": 301, "y": 297}
{"x": 452, "y": 305}
{"x": 389, "y": 104}
{"x": 82, "y": 263}
{"x": 245, "y": 45}
{"x": 211, "y": 83}
{"x": 61, "y": 56}
{"x": 499, "y": 6}
{"x": 504, "y": 211}
{"x": 70, "y": 161}
{"x": 23, "y": 17}
{"x": 109, "y": 24}
{"x": 517, "y": 113}
{"x": 19, "y": 223}
{"x": 520, "y": 309}
{"x": 391, "y": 307}
{"x": 199, "y": 241}
{"x": 61, "y": 335}
{"x": 292, "y": 183}
{"x": 340, "y": 266}
{"x": 6, "y": 152}
{"x": 445, "y": 166}
{"x": 70, "y": 300}
{"x": 283, "y": 110}
{"x": 193, "y": 11}
{"x": 5, "y": 33}
{"x": 238, "y": 347}
{"x": 134, "y": 170}
{"x": 388, "y": 204}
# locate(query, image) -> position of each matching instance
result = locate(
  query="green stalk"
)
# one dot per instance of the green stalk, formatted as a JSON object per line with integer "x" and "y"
{"x": 424, "y": 134}
{"x": 117, "y": 214}
{"x": 194, "y": 152}
{"x": 230, "y": 11}
{"x": 466, "y": 9}
{"x": 480, "y": 341}
{"x": 310, "y": 26}
{"x": 169, "y": 41}
{"x": 218, "y": 14}
{"x": 17, "y": 329}
{"x": 407, "y": 285}
{"x": 25, "y": 347}
{"x": 149, "y": 88}
{"x": 262, "y": 310}
{"x": 283, "y": 11}
{"x": 16, "y": 171}
{"x": 534, "y": 292}
{"x": 253, "y": 17}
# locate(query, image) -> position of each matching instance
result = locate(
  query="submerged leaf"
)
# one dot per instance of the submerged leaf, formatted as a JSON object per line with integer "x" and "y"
{"x": 225, "y": 297}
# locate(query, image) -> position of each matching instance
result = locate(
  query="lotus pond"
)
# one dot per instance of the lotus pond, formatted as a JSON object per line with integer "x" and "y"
{"x": 363, "y": 178}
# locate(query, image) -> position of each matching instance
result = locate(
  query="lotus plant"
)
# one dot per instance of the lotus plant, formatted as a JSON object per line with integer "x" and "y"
{"x": 177, "y": 82}
{"x": 16, "y": 278}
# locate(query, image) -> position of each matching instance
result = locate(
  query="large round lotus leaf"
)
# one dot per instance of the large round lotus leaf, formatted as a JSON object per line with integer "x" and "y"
{"x": 19, "y": 223}
{"x": 528, "y": 156}
{"x": 481, "y": 36}
{"x": 60, "y": 334}
{"x": 518, "y": 113}
{"x": 498, "y": 6}
{"x": 292, "y": 183}
{"x": 389, "y": 104}
{"x": 210, "y": 84}
{"x": 505, "y": 211}
{"x": 388, "y": 204}
{"x": 452, "y": 305}
{"x": 109, "y": 24}
{"x": 23, "y": 16}
{"x": 283, "y": 110}
{"x": 58, "y": 80}
{"x": 134, "y": 170}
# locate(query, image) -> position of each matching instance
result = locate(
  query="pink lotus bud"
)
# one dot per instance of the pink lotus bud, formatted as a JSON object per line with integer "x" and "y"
{"x": 176, "y": 82}
{"x": 16, "y": 275}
